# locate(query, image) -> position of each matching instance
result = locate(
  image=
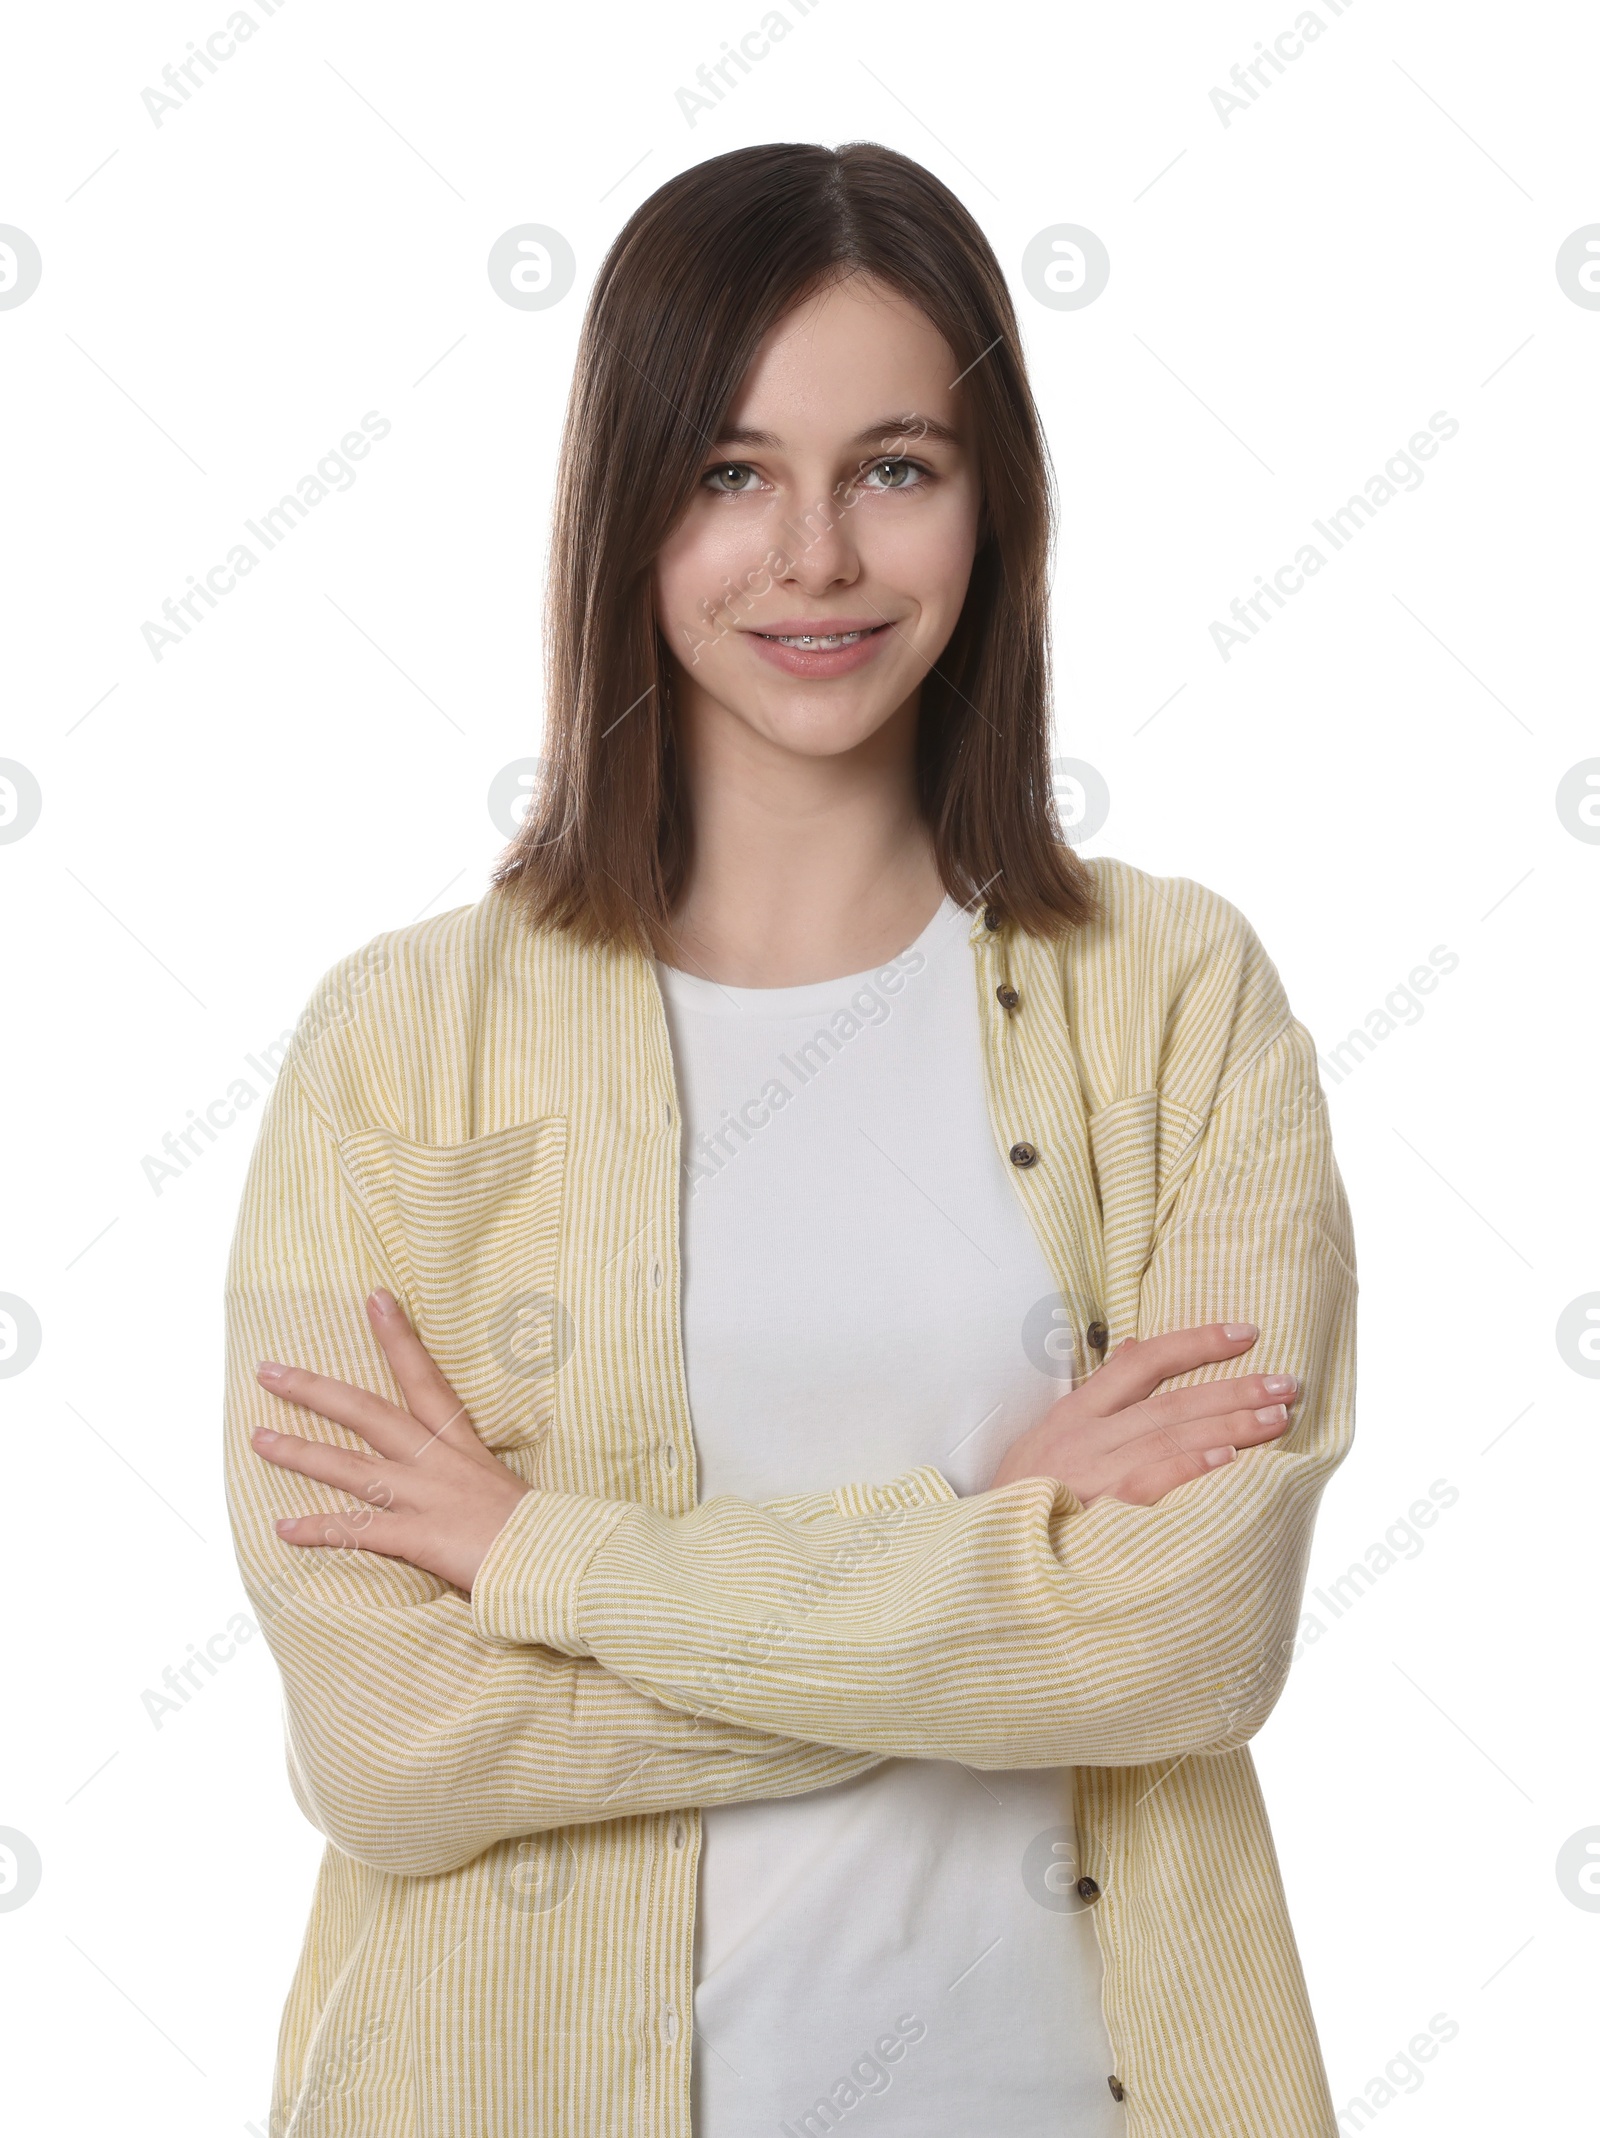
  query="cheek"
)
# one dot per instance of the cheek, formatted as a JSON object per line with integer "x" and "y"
{"x": 708, "y": 550}
{"x": 925, "y": 554}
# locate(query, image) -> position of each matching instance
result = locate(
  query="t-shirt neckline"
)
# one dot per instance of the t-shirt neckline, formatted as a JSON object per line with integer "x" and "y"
{"x": 691, "y": 991}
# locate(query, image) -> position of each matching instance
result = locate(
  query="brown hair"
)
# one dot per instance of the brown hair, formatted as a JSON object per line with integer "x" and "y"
{"x": 682, "y": 301}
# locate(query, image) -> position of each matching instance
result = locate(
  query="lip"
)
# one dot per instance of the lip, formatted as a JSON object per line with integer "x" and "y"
{"x": 820, "y": 662}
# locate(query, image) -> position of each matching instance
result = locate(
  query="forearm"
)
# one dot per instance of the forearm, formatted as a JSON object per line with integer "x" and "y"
{"x": 1017, "y": 1627}
{"x": 1012, "y": 1629}
{"x": 413, "y": 1743}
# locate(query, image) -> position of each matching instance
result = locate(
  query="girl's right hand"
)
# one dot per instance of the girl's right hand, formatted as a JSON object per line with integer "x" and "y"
{"x": 1113, "y": 1436}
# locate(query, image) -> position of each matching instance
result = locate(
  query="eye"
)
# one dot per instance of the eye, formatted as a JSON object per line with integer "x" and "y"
{"x": 712, "y": 478}
{"x": 893, "y": 468}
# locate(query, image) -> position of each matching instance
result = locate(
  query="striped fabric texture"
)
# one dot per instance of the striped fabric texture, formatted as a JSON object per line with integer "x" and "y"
{"x": 482, "y": 1116}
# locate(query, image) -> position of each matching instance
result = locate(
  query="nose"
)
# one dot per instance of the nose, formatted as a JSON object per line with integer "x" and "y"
{"x": 821, "y": 550}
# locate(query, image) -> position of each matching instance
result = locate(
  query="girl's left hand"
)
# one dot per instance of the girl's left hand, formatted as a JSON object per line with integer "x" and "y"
{"x": 434, "y": 1494}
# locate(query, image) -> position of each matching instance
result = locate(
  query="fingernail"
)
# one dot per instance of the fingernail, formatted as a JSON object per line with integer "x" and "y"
{"x": 262, "y": 1434}
{"x": 1215, "y": 1457}
{"x": 1274, "y": 1414}
{"x": 1279, "y": 1384}
{"x": 1240, "y": 1328}
{"x": 270, "y": 1370}
{"x": 286, "y": 1524}
{"x": 382, "y": 1300}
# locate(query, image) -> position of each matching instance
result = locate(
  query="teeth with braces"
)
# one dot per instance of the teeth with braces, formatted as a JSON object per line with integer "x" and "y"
{"x": 833, "y": 638}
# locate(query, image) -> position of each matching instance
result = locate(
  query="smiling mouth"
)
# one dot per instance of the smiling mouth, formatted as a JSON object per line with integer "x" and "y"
{"x": 823, "y": 643}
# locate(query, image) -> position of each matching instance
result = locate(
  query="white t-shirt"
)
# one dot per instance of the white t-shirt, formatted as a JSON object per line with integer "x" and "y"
{"x": 906, "y": 1952}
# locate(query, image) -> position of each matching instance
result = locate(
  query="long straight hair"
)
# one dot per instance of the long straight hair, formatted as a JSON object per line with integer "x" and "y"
{"x": 682, "y": 301}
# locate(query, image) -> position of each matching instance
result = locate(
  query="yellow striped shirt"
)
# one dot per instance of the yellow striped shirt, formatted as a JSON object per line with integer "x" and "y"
{"x": 482, "y": 1116}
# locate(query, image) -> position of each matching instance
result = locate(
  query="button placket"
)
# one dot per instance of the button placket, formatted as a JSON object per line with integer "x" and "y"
{"x": 1022, "y": 1154}
{"x": 1005, "y": 994}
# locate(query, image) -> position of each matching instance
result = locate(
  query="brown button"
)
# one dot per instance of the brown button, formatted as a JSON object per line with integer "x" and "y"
{"x": 991, "y": 916}
{"x": 1116, "y": 2087}
{"x": 1007, "y": 997}
{"x": 1087, "y": 1889}
{"x": 1098, "y": 1334}
{"x": 1024, "y": 1154}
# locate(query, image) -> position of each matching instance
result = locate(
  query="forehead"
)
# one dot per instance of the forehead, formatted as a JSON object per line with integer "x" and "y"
{"x": 840, "y": 365}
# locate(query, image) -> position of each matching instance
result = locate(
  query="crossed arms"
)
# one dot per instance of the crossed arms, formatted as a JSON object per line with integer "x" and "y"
{"x": 613, "y": 1661}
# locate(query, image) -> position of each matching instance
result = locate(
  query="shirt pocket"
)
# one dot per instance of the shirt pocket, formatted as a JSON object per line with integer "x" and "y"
{"x": 472, "y": 1232}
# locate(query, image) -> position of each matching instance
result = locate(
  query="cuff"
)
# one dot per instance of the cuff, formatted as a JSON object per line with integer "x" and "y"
{"x": 527, "y": 1588}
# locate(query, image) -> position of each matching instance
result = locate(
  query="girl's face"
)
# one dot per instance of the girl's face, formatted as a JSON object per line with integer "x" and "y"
{"x": 841, "y": 499}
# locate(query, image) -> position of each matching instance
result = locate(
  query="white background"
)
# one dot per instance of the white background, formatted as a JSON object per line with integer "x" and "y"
{"x": 1292, "y": 295}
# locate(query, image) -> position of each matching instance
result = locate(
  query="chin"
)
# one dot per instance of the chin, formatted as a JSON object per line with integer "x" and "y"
{"x": 819, "y": 730}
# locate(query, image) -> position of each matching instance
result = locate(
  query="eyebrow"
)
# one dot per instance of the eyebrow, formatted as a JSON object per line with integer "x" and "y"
{"x": 893, "y": 426}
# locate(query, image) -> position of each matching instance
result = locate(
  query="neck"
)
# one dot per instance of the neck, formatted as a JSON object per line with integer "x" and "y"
{"x": 804, "y": 868}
